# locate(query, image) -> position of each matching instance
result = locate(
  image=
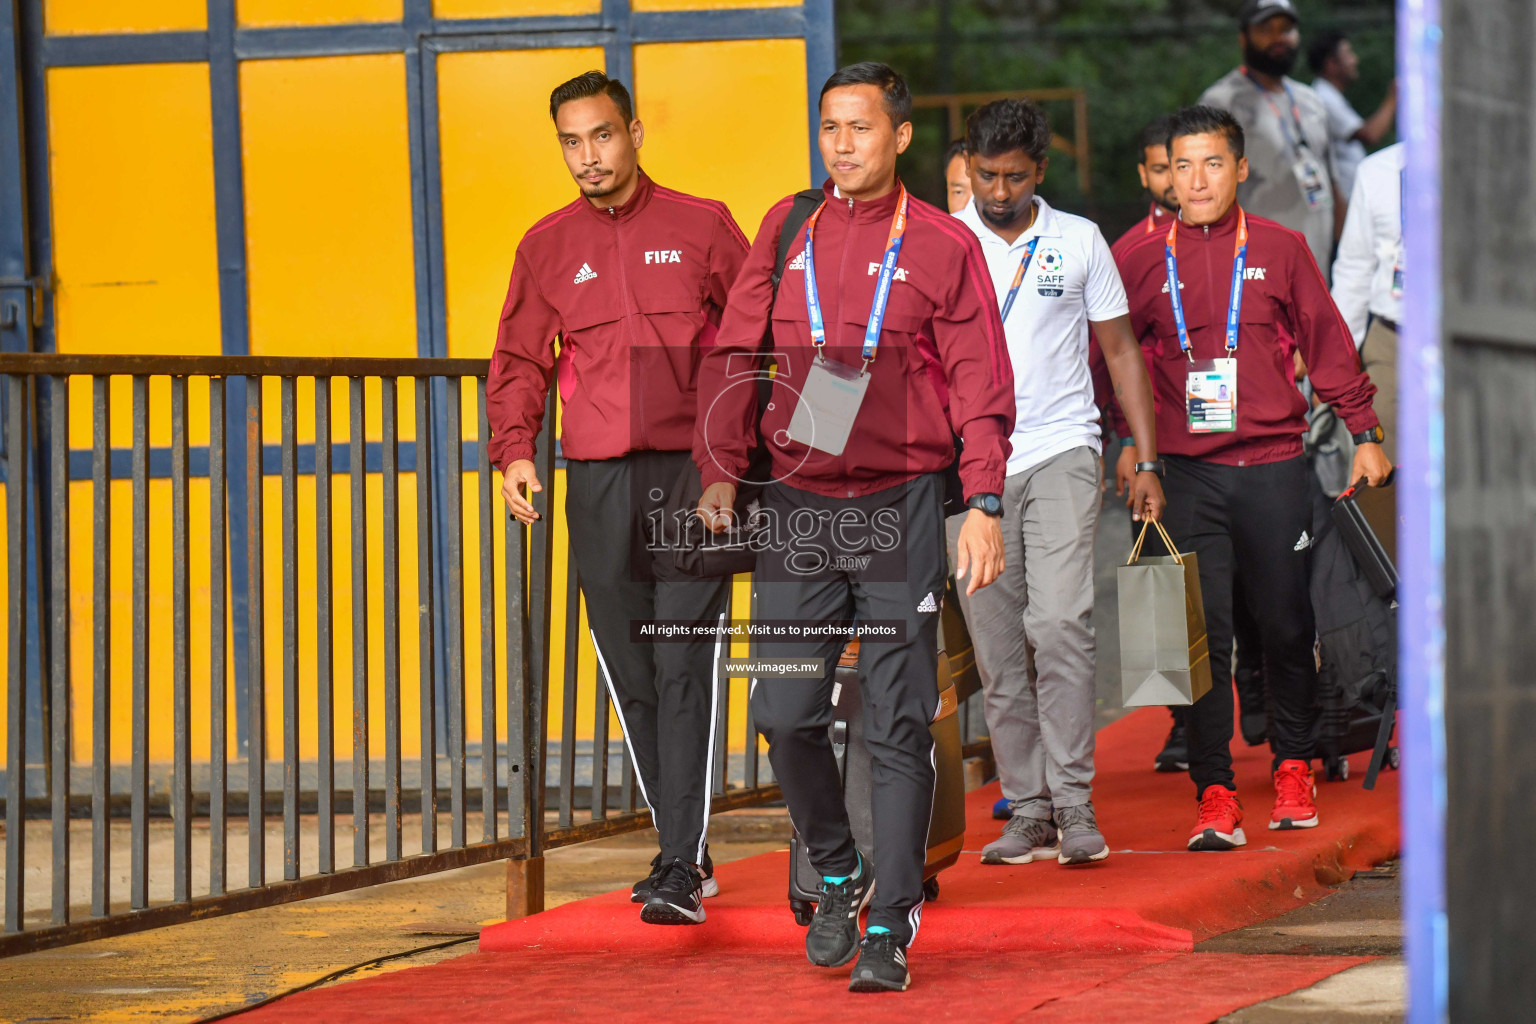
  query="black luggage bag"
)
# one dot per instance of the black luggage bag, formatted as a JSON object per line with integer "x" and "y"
{"x": 1353, "y": 585}
{"x": 946, "y": 825}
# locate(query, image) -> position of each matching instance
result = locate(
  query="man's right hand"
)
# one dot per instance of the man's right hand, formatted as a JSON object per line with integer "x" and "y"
{"x": 518, "y": 475}
{"x": 717, "y": 506}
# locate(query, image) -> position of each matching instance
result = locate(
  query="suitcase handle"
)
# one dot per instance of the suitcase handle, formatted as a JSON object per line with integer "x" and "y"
{"x": 1361, "y": 484}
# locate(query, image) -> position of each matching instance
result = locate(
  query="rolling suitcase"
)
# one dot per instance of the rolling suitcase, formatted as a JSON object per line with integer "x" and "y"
{"x": 1352, "y": 584}
{"x": 946, "y": 825}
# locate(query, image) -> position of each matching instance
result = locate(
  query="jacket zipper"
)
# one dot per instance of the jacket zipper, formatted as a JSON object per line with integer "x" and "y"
{"x": 636, "y": 388}
{"x": 842, "y": 460}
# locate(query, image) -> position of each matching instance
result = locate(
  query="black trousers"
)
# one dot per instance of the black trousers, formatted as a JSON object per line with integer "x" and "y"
{"x": 1252, "y": 521}
{"x": 862, "y": 577}
{"x": 666, "y": 692}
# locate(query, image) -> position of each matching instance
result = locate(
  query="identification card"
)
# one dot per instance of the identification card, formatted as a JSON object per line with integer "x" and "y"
{"x": 1210, "y": 396}
{"x": 1309, "y": 176}
{"x": 829, "y": 401}
{"x": 1397, "y": 273}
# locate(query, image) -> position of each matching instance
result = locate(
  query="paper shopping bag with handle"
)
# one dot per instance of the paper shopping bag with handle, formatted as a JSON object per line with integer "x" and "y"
{"x": 1163, "y": 654}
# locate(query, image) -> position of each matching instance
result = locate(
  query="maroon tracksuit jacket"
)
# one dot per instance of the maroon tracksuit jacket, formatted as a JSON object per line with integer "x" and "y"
{"x": 941, "y": 360}
{"x": 634, "y": 293}
{"x": 1286, "y": 305}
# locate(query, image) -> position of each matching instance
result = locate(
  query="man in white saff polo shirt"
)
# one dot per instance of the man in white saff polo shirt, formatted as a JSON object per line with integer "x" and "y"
{"x": 1054, "y": 277}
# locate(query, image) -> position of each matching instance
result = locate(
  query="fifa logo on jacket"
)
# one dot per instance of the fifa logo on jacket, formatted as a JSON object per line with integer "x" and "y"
{"x": 663, "y": 256}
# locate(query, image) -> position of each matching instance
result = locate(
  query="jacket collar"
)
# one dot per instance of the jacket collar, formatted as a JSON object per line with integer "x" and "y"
{"x": 637, "y": 202}
{"x": 1226, "y": 227}
{"x": 862, "y": 212}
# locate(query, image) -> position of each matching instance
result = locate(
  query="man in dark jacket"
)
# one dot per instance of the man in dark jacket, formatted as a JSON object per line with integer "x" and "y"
{"x": 1220, "y": 296}
{"x": 631, "y": 278}
{"x": 887, "y": 338}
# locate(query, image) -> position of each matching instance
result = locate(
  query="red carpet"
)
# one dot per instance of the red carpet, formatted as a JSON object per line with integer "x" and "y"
{"x": 1037, "y": 942}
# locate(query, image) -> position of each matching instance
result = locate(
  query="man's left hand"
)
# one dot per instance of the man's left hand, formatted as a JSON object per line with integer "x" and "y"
{"x": 1372, "y": 463}
{"x": 979, "y": 551}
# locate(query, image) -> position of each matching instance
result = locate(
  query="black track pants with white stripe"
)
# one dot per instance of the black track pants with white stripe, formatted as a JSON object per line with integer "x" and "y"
{"x": 666, "y": 692}
{"x": 901, "y": 585}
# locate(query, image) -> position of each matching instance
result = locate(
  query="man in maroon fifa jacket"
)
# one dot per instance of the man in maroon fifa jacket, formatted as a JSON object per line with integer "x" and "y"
{"x": 886, "y": 335}
{"x": 1221, "y": 295}
{"x": 631, "y": 277}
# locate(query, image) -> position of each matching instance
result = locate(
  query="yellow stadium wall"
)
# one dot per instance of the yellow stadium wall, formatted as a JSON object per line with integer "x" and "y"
{"x": 331, "y": 264}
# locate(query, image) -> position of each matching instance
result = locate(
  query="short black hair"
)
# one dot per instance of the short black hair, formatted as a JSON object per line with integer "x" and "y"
{"x": 1201, "y": 120}
{"x": 1154, "y": 134}
{"x": 956, "y": 148}
{"x": 593, "y": 83}
{"x": 1324, "y": 45}
{"x": 898, "y": 98}
{"x": 1003, "y": 126}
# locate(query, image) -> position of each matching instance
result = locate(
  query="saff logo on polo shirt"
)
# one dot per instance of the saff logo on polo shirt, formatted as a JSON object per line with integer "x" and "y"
{"x": 900, "y": 275}
{"x": 1050, "y": 278}
{"x": 663, "y": 256}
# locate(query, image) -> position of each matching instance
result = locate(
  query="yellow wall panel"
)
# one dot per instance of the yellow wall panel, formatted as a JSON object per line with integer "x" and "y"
{"x": 501, "y": 172}
{"x": 675, "y": 110}
{"x": 328, "y": 206}
{"x": 267, "y": 13}
{"x": 85, "y": 17}
{"x": 513, "y": 8}
{"x": 131, "y": 171}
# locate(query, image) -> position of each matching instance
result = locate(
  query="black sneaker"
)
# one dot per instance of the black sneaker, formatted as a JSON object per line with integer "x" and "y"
{"x": 882, "y": 965}
{"x": 833, "y": 937}
{"x": 641, "y": 890}
{"x": 1174, "y": 756}
{"x": 676, "y": 896}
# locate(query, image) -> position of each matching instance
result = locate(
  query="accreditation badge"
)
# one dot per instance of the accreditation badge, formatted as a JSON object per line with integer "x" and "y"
{"x": 829, "y": 401}
{"x": 1397, "y": 272}
{"x": 1210, "y": 396}
{"x": 1309, "y": 176}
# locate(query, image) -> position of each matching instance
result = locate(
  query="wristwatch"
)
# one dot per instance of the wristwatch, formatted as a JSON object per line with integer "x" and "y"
{"x": 1372, "y": 436}
{"x": 1156, "y": 466}
{"x": 987, "y": 502}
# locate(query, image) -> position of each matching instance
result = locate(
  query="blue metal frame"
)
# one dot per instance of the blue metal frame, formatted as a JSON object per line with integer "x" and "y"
{"x": 1421, "y": 541}
{"x": 234, "y": 327}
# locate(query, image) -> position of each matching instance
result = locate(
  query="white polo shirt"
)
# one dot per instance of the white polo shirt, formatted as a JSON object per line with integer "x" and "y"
{"x": 1371, "y": 246}
{"x": 1071, "y": 280}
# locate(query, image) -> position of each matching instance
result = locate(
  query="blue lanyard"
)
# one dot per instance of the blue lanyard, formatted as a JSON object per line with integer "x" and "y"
{"x": 1300, "y": 142}
{"x": 882, "y": 283}
{"x": 1234, "y": 303}
{"x": 1018, "y": 276}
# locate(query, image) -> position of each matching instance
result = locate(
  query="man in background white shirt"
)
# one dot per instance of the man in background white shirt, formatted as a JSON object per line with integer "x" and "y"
{"x": 1337, "y": 67}
{"x": 1054, "y": 277}
{"x": 1368, "y": 289}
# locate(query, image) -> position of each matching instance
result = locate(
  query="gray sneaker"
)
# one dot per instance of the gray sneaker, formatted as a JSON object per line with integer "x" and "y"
{"x": 1081, "y": 841}
{"x": 1024, "y": 839}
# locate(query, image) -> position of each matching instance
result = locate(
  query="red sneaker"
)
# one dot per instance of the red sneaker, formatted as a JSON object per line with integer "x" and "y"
{"x": 1295, "y": 797}
{"x": 1220, "y": 824}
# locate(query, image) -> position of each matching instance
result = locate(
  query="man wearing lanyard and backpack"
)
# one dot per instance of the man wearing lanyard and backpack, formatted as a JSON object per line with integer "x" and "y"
{"x": 1290, "y": 167}
{"x": 1226, "y": 298}
{"x": 631, "y": 277}
{"x": 887, "y": 339}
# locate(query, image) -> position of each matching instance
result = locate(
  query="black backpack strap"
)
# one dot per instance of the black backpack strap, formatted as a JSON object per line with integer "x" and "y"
{"x": 805, "y": 204}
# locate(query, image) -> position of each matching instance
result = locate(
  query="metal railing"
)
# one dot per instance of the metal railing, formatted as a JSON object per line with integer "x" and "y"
{"x": 525, "y": 788}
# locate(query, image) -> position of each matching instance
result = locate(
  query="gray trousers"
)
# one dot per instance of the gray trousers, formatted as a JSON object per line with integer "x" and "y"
{"x": 1033, "y": 636}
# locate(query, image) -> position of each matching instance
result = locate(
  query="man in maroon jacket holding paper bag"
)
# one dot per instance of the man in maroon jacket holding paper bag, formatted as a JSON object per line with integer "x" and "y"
{"x": 1210, "y": 295}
